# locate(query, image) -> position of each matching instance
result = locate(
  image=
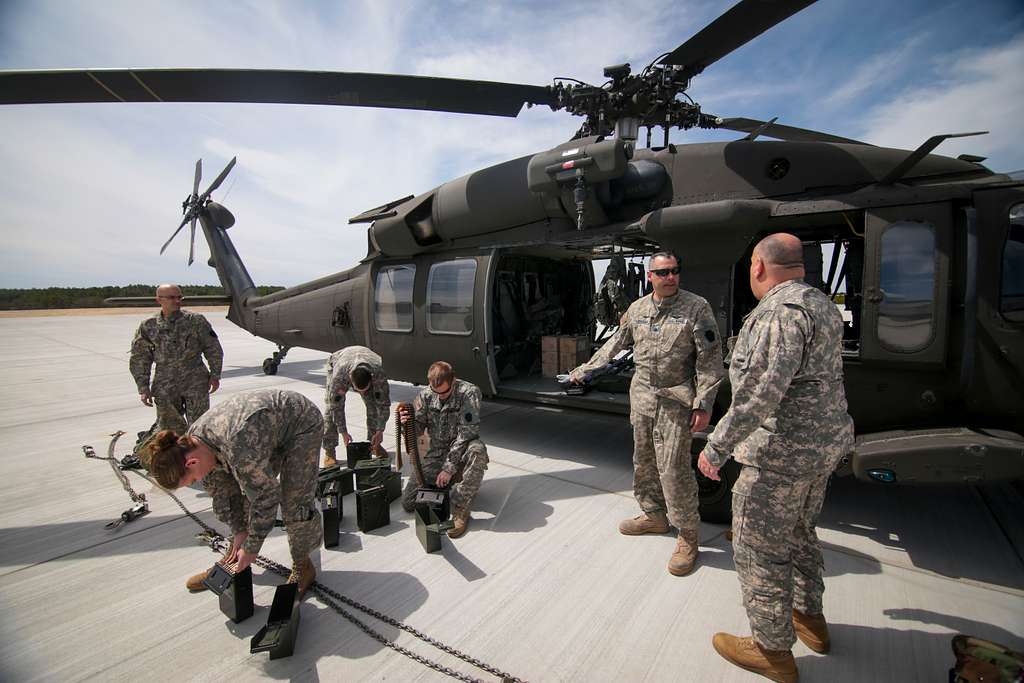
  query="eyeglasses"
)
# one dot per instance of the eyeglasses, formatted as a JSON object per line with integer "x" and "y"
{"x": 665, "y": 272}
{"x": 437, "y": 390}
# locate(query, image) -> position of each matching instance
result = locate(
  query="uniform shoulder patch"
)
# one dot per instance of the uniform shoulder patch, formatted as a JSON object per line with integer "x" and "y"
{"x": 710, "y": 336}
{"x": 469, "y": 417}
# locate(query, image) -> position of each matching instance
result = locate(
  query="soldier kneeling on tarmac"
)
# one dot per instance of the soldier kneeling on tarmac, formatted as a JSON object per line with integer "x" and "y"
{"x": 448, "y": 411}
{"x": 253, "y": 452}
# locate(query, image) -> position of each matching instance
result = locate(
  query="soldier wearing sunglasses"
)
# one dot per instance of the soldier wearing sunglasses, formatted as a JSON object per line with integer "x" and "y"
{"x": 678, "y": 356}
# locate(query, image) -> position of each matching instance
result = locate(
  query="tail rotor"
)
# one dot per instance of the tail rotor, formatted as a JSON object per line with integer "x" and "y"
{"x": 194, "y": 205}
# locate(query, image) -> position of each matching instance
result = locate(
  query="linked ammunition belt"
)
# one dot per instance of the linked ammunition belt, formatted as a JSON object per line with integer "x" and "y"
{"x": 330, "y": 597}
{"x": 407, "y": 433}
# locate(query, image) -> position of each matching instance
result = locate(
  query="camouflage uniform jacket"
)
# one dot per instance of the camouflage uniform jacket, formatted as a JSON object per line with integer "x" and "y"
{"x": 788, "y": 411}
{"x": 176, "y": 344}
{"x": 676, "y": 348}
{"x": 249, "y": 433}
{"x": 452, "y": 424}
{"x": 377, "y": 399}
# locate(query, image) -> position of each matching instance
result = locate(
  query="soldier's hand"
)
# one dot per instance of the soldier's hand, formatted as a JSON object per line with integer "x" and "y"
{"x": 575, "y": 377}
{"x": 347, "y": 438}
{"x": 699, "y": 420}
{"x": 376, "y": 439}
{"x": 243, "y": 561}
{"x": 214, "y": 384}
{"x": 707, "y": 469}
{"x": 237, "y": 541}
{"x": 146, "y": 398}
{"x": 404, "y": 416}
{"x": 443, "y": 478}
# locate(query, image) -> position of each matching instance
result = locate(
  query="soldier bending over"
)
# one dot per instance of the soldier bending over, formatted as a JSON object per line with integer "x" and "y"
{"x": 360, "y": 369}
{"x": 253, "y": 452}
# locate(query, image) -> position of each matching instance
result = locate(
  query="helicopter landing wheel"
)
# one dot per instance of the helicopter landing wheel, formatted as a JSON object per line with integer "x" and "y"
{"x": 270, "y": 366}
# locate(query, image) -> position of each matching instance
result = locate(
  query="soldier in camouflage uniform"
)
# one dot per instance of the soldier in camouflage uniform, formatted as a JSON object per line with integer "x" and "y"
{"x": 788, "y": 427}
{"x": 254, "y": 451}
{"x": 678, "y": 356}
{"x": 360, "y": 369}
{"x": 611, "y": 301}
{"x": 448, "y": 411}
{"x": 176, "y": 340}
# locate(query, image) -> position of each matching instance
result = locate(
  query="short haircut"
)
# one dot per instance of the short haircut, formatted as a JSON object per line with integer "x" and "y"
{"x": 440, "y": 373}
{"x": 361, "y": 376}
{"x": 663, "y": 255}
{"x": 781, "y": 249}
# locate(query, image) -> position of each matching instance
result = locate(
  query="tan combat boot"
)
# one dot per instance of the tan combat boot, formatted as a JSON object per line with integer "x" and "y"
{"x": 460, "y": 520}
{"x": 304, "y": 574}
{"x": 330, "y": 457}
{"x": 685, "y": 556}
{"x": 778, "y": 665}
{"x": 647, "y": 523}
{"x": 195, "y": 583}
{"x": 812, "y": 630}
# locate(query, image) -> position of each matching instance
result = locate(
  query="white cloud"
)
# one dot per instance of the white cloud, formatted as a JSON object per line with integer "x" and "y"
{"x": 874, "y": 73}
{"x": 984, "y": 91}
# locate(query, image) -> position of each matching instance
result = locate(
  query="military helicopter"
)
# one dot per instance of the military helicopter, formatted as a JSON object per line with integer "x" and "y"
{"x": 924, "y": 253}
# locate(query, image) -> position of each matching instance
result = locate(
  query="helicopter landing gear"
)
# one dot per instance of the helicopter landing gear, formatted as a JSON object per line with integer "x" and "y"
{"x": 271, "y": 364}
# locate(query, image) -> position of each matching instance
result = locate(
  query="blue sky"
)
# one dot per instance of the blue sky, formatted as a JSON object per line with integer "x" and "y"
{"x": 90, "y": 192}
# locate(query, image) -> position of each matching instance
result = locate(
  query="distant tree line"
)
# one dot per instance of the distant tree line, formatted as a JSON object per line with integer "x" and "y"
{"x": 92, "y": 297}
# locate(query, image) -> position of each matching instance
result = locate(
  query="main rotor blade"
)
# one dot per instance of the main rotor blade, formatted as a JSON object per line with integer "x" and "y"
{"x": 745, "y": 21}
{"x": 781, "y": 132}
{"x": 270, "y": 86}
{"x": 199, "y": 176}
{"x": 174, "y": 234}
{"x": 192, "y": 241}
{"x": 220, "y": 179}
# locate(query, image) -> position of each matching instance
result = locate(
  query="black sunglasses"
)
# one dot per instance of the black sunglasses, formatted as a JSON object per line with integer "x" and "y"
{"x": 664, "y": 272}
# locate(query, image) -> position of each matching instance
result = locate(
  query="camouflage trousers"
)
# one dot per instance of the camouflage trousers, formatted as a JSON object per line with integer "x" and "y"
{"x": 776, "y": 551}
{"x": 179, "y": 412}
{"x": 299, "y": 509}
{"x": 663, "y": 478}
{"x": 469, "y": 477}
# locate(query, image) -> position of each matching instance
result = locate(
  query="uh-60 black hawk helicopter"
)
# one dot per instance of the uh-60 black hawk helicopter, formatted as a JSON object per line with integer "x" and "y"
{"x": 925, "y": 252}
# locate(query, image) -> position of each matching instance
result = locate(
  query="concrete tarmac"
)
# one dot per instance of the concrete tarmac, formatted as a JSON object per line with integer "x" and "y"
{"x": 542, "y": 586}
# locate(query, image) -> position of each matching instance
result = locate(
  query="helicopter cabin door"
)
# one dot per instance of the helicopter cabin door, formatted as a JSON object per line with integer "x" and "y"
{"x": 906, "y": 283}
{"x": 431, "y": 308}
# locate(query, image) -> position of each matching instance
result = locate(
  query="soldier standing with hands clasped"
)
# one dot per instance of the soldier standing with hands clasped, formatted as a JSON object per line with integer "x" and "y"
{"x": 788, "y": 426}
{"x": 175, "y": 341}
{"x": 678, "y": 358}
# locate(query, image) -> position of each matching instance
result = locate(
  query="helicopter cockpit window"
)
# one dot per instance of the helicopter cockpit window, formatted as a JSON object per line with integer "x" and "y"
{"x": 1011, "y": 299}
{"x": 450, "y": 297}
{"x": 907, "y": 280}
{"x": 392, "y": 298}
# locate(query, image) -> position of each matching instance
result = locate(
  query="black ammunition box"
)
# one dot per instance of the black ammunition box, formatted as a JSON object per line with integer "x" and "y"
{"x": 335, "y": 478}
{"x": 278, "y": 636}
{"x": 372, "y": 509}
{"x": 435, "y": 498}
{"x": 234, "y": 591}
{"x": 332, "y": 510}
{"x": 386, "y": 477}
{"x": 368, "y": 471}
{"x": 356, "y": 451}
{"x": 429, "y": 528}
